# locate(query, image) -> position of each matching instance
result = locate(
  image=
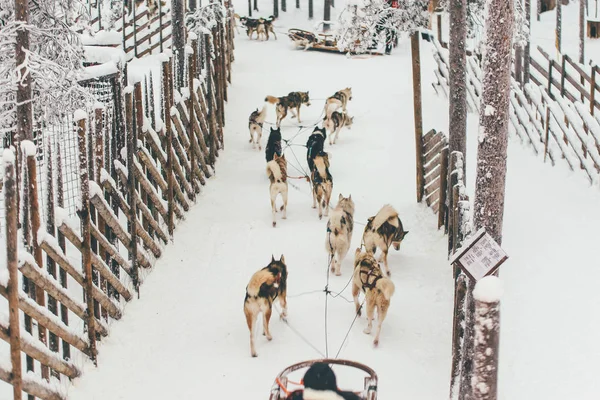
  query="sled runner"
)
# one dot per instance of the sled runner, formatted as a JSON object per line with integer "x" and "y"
{"x": 282, "y": 386}
{"x": 309, "y": 40}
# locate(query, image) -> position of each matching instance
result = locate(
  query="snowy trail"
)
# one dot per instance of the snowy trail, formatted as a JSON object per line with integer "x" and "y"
{"x": 187, "y": 334}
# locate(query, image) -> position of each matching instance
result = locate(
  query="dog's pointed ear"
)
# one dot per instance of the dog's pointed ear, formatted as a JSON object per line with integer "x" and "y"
{"x": 405, "y": 233}
{"x": 272, "y": 258}
{"x": 282, "y": 259}
{"x": 340, "y": 197}
{"x": 350, "y": 197}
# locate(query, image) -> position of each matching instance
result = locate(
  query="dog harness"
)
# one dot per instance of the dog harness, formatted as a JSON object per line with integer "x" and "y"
{"x": 370, "y": 274}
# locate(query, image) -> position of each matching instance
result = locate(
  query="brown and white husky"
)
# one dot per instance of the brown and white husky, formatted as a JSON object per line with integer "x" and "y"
{"x": 339, "y": 232}
{"x": 335, "y": 123}
{"x": 264, "y": 287}
{"x": 255, "y": 125}
{"x": 378, "y": 289}
{"x": 338, "y": 100}
{"x": 277, "y": 173}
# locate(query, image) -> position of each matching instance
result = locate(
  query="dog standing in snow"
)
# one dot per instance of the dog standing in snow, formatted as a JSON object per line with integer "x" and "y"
{"x": 318, "y": 163}
{"x": 277, "y": 174}
{"x": 255, "y": 125}
{"x": 293, "y": 101}
{"x": 264, "y": 287}
{"x": 338, "y": 100}
{"x": 273, "y": 144}
{"x": 339, "y": 232}
{"x": 335, "y": 123}
{"x": 378, "y": 290}
{"x": 384, "y": 230}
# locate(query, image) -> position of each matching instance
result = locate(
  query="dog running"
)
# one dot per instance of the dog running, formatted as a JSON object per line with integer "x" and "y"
{"x": 264, "y": 287}
{"x": 338, "y": 100}
{"x": 255, "y": 125}
{"x": 293, "y": 101}
{"x": 384, "y": 230}
{"x": 273, "y": 144}
{"x": 339, "y": 232}
{"x": 334, "y": 124}
{"x": 277, "y": 173}
{"x": 377, "y": 288}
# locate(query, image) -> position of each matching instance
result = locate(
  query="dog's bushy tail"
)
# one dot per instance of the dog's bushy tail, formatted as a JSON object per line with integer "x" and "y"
{"x": 272, "y": 99}
{"x": 386, "y": 286}
{"x": 387, "y": 213}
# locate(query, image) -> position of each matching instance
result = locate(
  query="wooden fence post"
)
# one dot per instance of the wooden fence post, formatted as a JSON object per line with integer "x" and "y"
{"x": 418, "y": 112}
{"x": 563, "y": 74}
{"x": 550, "y": 68}
{"x": 131, "y": 195}
{"x": 166, "y": 70}
{"x": 547, "y": 132}
{"x": 64, "y": 312}
{"x": 593, "y": 90}
{"x": 84, "y": 214}
{"x": 192, "y": 57}
{"x": 34, "y": 214}
{"x": 96, "y": 153}
{"x": 10, "y": 203}
{"x": 51, "y": 229}
{"x": 443, "y": 208}
{"x": 487, "y": 295}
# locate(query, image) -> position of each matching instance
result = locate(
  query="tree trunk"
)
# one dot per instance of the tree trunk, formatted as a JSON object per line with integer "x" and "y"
{"x": 558, "y": 25}
{"x": 276, "y": 8}
{"x": 539, "y": 9}
{"x": 487, "y": 328}
{"x": 458, "y": 90}
{"x": 327, "y": 15}
{"x": 24, "y": 91}
{"x": 297, "y": 3}
{"x": 582, "y": 31}
{"x": 418, "y": 111}
{"x": 283, "y": 5}
{"x": 310, "y": 9}
{"x": 255, "y": 5}
{"x": 179, "y": 42}
{"x": 527, "y": 49}
{"x": 493, "y": 141}
{"x": 249, "y": 8}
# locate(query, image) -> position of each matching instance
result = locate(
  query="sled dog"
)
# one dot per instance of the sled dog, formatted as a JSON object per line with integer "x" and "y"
{"x": 250, "y": 24}
{"x": 255, "y": 124}
{"x": 339, "y": 232}
{"x": 338, "y": 100}
{"x": 335, "y": 123}
{"x": 378, "y": 290}
{"x": 277, "y": 173}
{"x": 264, "y": 27}
{"x": 384, "y": 230}
{"x": 318, "y": 164}
{"x": 292, "y": 101}
{"x": 273, "y": 144}
{"x": 264, "y": 287}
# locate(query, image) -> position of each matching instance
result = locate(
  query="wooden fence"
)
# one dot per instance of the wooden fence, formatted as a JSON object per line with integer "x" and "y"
{"x": 557, "y": 118}
{"x": 136, "y": 182}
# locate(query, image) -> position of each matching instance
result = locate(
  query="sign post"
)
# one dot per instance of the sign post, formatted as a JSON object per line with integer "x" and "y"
{"x": 480, "y": 256}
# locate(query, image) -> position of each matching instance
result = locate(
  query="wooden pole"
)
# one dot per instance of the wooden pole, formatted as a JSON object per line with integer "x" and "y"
{"x": 527, "y": 49}
{"x": 310, "y": 9}
{"x": 442, "y": 209}
{"x": 418, "y": 112}
{"x": 192, "y": 57}
{"x": 34, "y": 214}
{"x": 10, "y": 203}
{"x": 283, "y": 6}
{"x": 51, "y": 229}
{"x": 563, "y": 74}
{"x": 558, "y": 29}
{"x": 178, "y": 34}
{"x": 593, "y": 90}
{"x": 249, "y": 8}
{"x": 326, "y": 15}
{"x": 84, "y": 215}
{"x": 298, "y": 4}
{"x": 276, "y": 8}
{"x": 166, "y": 70}
{"x": 64, "y": 312}
{"x": 487, "y": 295}
{"x": 131, "y": 195}
{"x": 96, "y": 153}
{"x": 582, "y": 4}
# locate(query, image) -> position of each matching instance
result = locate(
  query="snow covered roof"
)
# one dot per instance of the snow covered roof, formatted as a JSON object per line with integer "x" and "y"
{"x": 593, "y": 11}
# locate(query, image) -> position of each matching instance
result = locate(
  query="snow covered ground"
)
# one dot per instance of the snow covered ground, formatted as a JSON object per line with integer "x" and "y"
{"x": 187, "y": 337}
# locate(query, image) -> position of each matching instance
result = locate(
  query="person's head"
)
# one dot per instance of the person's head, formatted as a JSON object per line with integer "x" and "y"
{"x": 320, "y": 376}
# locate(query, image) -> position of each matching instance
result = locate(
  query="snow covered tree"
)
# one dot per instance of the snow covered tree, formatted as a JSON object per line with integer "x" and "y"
{"x": 362, "y": 22}
{"x": 53, "y": 61}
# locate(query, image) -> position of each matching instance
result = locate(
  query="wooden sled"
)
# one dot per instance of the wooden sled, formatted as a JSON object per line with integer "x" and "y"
{"x": 280, "y": 389}
{"x": 313, "y": 41}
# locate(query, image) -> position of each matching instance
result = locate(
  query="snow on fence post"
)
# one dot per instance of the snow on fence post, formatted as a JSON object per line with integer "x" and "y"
{"x": 192, "y": 57}
{"x": 418, "y": 112}
{"x": 166, "y": 72}
{"x": 64, "y": 312}
{"x": 131, "y": 196}
{"x": 487, "y": 294}
{"x": 29, "y": 152}
{"x": 11, "y": 210}
{"x": 80, "y": 117}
